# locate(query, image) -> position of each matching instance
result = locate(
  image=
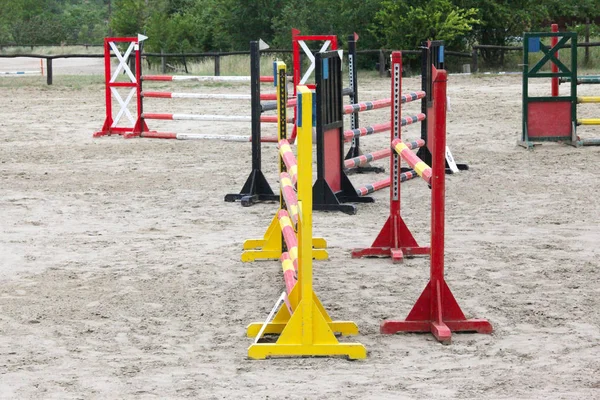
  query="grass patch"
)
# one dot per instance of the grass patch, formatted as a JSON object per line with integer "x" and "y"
{"x": 237, "y": 65}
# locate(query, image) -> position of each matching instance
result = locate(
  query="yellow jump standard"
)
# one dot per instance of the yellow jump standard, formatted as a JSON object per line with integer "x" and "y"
{"x": 270, "y": 246}
{"x": 307, "y": 330}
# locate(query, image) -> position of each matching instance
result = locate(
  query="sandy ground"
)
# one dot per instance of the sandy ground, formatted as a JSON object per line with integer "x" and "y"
{"x": 120, "y": 272}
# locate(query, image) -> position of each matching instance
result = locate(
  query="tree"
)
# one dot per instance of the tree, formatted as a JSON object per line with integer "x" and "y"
{"x": 576, "y": 9}
{"x": 501, "y": 22}
{"x": 237, "y": 22}
{"x": 405, "y": 24}
{"x": 52, "y": 21}
{"x": 129, "y": 17}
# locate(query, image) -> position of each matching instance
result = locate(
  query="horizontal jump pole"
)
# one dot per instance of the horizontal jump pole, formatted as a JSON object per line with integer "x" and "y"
{"x": 206, "y": 96}
{"x": 369, "y": 130}
{"x": 289, "y": 159}
{"x": 205, "y": 136}
{"x": 367, "y": 106}
{"x": 363, "y": 159}
{"x": 291, "y": 103}
{"x": 422, "y": 169}
{"x": 289, "y": 236}
{"x": 375, "y": 104}
{"x": 583, "y": 80}
{"x": 378, "y": 155}
{"x": 588, "y": 121}
{"x": 412, "y": 96}
{"x": 588, "y": 99}
{"x": 268, "y": 96}
{"x": 203, "y": 78}
{"x": 210, "y": 117}
{"x": 289, "y": 196}
{"x": 590, "y": 142}
{"x": 368, "y": 189}
{"x": 289, "y": 273}
{"x": 20, "y": 72}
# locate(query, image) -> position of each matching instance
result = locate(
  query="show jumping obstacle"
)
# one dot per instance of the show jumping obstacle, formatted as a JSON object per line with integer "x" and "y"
{"x": 395, "y": 239}
{"x": 299, "y": 318}
{"x": 139, "y": 127}
{"x": 432, "y": 53}
{"x": 333, "y": 188}
{"x": 271, "y": 246}
{"x": 257, "y": 189}
{"x": 436, "y": 310}
{"x": 562, "y": 127}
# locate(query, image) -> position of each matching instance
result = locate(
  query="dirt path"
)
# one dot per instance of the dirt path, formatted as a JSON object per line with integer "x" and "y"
{"x": 120, "y": 274}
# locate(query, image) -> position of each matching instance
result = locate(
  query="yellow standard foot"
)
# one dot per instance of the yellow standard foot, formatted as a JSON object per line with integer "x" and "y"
{"x": 353, "y": 351}
{"x": 346, "y": 328}
{"x": 276, "y": 326}
{"x": 270, "y": 246}
{"x": 307, "y": 333}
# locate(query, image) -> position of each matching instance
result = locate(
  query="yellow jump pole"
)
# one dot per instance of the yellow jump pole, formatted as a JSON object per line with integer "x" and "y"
{"x": 588, "y": 121}
{"x": 588, "y": 99}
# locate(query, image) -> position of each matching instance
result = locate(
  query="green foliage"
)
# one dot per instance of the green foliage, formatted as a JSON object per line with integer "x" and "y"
{"x": 237, "y": 22}
{"x": 129, "y": 17}
{"x": 501, "y": 20}
{"x": 225, "y": 25}
{"x": 174, "y": 34}
{"x": 84, "y": 24}
{"x": 52, "y": 21}
{"x": 406, "y": 24}
{"x": 580, "y": 9}
{"x": 341, "y": 18}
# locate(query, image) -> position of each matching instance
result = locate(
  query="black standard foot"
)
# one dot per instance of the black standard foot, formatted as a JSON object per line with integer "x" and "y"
{"x": 255, "y": 189}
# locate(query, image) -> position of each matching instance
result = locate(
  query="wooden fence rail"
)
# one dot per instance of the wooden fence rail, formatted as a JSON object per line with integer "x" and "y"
{"x": 383, "y": 55}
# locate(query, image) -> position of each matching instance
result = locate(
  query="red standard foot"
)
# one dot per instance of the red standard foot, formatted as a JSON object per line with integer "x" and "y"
{"x": 394, "y": 240}
{"x": 106, "y": 133}
{"x": 437, "y": 311}
{"x": 397, "y": 254}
